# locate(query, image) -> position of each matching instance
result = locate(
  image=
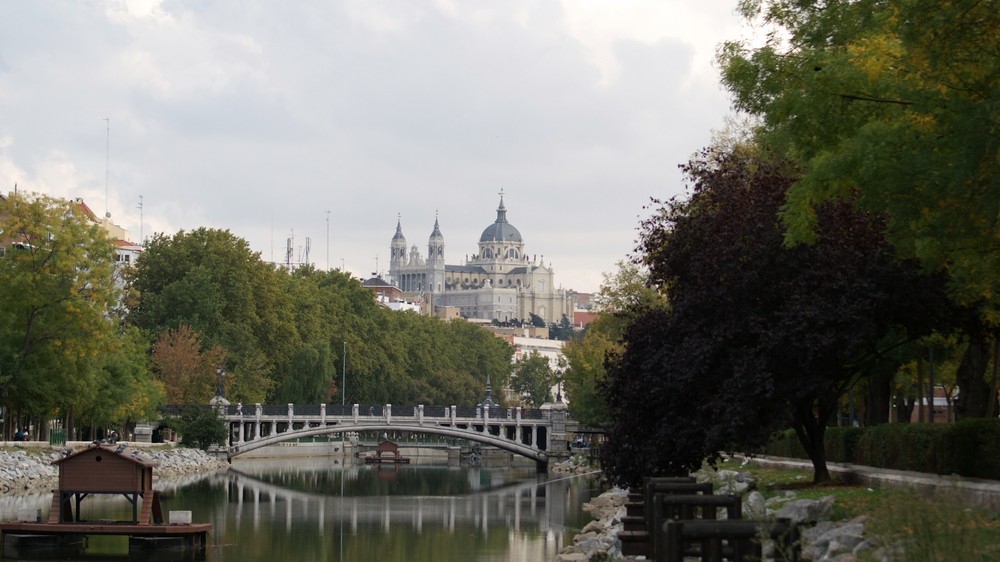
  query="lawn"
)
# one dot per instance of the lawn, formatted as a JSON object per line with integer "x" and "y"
{"x": 919, "y": 529}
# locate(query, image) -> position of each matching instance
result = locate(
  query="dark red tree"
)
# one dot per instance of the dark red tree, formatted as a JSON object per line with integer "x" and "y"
{"x": 758, "y": 336}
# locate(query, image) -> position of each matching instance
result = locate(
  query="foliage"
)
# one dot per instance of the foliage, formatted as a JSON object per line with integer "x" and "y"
{"x": 188, "y": 375}
{"x": 889, "y": 105}
{"x": 56, "y": 270}
{"x": 124, "y": 391}
{"x": 627, "y": 291}
{"x": 532, "y": 379}
{"x": 758, "y": 336}
{"x": 967, "y": 448}
{"x": 200, "y": 427}
{"x": 622, "y": 296}
{"x": 562, "y": 331}
{"x": 211, "y": 281}
{"x": 313, "y": 378}
{"x": 288, "y": 335}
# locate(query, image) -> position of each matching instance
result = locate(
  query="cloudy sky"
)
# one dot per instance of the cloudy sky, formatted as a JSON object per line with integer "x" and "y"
{"x": 328, "y": 120}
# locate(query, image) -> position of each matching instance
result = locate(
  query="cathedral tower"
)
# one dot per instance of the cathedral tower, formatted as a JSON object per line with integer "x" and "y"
{"x": 435, "y": 259}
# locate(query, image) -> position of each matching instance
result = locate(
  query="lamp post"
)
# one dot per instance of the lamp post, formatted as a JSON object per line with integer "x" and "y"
{"x": 220, "y": 376}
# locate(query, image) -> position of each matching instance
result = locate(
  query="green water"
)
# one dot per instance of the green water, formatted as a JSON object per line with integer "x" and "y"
{"x": 314, "y": 509}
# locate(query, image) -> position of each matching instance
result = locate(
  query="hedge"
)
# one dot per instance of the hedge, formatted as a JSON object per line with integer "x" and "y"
{"x": 969, "y": 448}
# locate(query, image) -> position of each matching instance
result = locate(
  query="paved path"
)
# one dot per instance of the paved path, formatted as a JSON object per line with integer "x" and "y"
{"x": 971, "y": 491}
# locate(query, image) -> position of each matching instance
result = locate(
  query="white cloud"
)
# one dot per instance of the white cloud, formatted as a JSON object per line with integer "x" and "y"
{"x": 258, "y": 117}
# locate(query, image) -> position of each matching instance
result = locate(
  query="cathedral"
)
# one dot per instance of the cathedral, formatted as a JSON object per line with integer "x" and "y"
{"x": 500, "y": 282}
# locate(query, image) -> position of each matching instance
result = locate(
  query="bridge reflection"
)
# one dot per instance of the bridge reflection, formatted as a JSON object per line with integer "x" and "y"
{"x": 539, "y": 503}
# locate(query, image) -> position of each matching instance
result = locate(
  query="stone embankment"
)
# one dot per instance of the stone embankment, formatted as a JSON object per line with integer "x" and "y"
{"x": 823, "y": 539}
{"x": 31, "y": 469}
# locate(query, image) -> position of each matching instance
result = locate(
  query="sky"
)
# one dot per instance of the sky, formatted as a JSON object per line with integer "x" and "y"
{"x": 331, "y": 120}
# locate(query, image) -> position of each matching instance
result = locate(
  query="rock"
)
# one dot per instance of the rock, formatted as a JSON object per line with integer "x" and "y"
{"x": 754, "y": 506}
{"x": 807, "y": 511}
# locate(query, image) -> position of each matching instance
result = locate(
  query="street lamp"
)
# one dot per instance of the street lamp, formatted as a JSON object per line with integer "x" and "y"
{"x": 220, "y": 376}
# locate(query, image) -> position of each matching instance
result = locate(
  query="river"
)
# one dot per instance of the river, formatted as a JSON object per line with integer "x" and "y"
{"x": 315, "y": 509}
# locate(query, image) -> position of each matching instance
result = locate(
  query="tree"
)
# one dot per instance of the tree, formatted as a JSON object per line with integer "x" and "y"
{"x": 200, "y": 427}
{"x": 891, "y": 106}
{"x": 313, "y": 376}
{"x": 623, "y": 296}
{"x": 210, "y": 281}
{"x": 188, "y": 375}
{"x": 585, "y": 372}
{"x": 532, "y": 379}
{"x": 56, "y": 271}
{"x": 125, "y": 390}
{"x": 561, "y": 331}
{"x": 757, "y": 336}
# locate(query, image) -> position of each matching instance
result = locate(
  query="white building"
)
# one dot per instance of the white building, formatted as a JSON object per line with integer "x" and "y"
{"x": 500, "y": 282}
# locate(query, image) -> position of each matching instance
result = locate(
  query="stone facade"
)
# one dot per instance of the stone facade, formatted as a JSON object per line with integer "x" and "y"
{"x": 500, "y": 282}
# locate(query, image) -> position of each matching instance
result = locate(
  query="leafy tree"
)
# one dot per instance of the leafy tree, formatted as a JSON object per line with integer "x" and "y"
{"x": 536, "y": 320}
{"x": 56, "y": 271}
{"x": 562, "y": 331}
{"x": 623, "y": 296}
{"x": 757, "y": 336}
{"x": 312, "y": 377}
{"x": 585, "y": 373}
{"x": 211, "y": 281}
{"x": 125, "y": 391}
{"x": 188, "y": 375}
{"x": 200, "y": 427}
{"x": 532, "y": 378}
{"x": 891, "y": 106}
{"x": 627, "y": 292}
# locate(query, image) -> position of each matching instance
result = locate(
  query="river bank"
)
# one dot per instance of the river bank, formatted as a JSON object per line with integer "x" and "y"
{"x": 27, "y": 467}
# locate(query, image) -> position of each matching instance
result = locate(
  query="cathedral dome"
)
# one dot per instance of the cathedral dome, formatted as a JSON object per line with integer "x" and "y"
{"x": 501, "y": 230}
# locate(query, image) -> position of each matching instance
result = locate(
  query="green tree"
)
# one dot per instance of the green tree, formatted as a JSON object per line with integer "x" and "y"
{"x": 312, "y": 376}
{"x": 536, "y": 320}
{"x": 623, "y": 295}
{"x": 125, "y": 390}
{"x": 532, "y": 379}
{"x": 211, "y": 281}
{"x": 200, "y": 427}
{"x": 56, "y": 271}
{"x": 890, "y": 105}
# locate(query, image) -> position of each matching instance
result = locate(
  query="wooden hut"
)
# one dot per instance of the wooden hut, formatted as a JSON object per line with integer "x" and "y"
{"x": 106, "y": 469}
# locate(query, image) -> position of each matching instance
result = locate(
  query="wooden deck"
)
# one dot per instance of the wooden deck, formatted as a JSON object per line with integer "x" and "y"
{"x": 102, "y": 528}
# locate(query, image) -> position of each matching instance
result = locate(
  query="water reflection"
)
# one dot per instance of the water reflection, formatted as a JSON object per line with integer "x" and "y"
{"x": 311, "y": 509}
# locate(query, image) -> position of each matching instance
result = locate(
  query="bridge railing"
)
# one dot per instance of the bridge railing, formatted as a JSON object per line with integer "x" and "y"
{"x": 398, "y": 411}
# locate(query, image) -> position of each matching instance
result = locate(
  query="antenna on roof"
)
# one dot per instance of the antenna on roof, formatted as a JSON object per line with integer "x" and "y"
{"x": 107, "y": 160}
{"x": 140, "y": 220}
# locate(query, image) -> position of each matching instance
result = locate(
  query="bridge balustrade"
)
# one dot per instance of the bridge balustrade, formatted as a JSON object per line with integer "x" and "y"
{"x": 525, "y": 432}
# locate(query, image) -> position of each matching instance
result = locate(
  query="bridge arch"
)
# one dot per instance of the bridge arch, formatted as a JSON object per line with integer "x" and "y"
{"x": 485, "y": 438}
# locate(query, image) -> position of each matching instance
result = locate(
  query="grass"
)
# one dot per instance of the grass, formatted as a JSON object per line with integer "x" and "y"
{"x": 910, "y": 527}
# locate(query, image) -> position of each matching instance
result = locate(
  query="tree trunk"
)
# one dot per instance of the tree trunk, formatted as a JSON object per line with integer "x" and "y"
{"x": 973, "y": 391}
{"x": 811, "y": 430}
{"x": 878, "y": 398}
{"x": 904, "y": 408}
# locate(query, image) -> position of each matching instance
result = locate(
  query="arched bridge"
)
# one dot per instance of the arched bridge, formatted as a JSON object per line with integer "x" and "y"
{"x": 535, "y": 434}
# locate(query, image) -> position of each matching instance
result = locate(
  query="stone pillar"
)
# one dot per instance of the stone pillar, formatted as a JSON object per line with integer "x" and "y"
{"x": 420, "y": 414}
{"x": 453, "y": 410}
{"x": 322, "y": 414}
{"x": 388, "y": 413}
{"x": 354, "y": 411}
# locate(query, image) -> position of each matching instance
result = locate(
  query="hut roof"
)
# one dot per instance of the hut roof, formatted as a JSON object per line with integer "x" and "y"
{"x": 135, "y": 455}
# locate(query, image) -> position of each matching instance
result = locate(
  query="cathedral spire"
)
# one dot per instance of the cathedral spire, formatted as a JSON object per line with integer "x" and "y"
{"x": 501, "y": 210}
